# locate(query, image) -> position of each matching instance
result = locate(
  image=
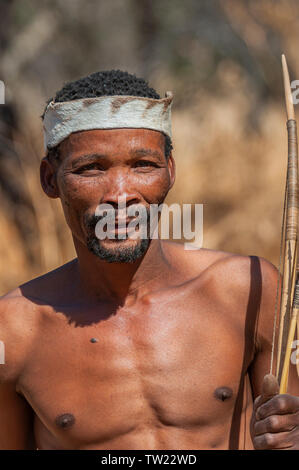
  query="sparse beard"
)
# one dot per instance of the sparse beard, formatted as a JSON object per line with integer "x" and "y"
{"x": 118, "y": 249}
{"x": 119, "y": 254}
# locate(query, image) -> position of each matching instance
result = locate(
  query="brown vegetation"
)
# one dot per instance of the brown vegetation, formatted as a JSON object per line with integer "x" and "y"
{"x": 221, "y": 60}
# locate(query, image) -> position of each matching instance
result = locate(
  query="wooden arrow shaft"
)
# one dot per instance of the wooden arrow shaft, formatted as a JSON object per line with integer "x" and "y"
{"x": 288, "y": 311}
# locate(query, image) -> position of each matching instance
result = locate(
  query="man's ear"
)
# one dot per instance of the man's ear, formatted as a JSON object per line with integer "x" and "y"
{"x": 48, "y": 178}
{"x": 171, "y": 169}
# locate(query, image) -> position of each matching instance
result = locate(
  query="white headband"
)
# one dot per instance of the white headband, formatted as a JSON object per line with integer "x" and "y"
{"x": 105, "y": 112}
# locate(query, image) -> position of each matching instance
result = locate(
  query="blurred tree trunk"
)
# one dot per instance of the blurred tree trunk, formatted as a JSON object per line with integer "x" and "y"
{"x": 147, "y": 30}
{"x": 5, "y": 21}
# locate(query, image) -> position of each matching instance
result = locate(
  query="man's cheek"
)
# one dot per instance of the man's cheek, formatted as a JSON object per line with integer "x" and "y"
{"x": 74, "y": 206}
{"x": 79, "y": 195}
{"x": 156, "y": 189}
{"x": 72, "y": 189}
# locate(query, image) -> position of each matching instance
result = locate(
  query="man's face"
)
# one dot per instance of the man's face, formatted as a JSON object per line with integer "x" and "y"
{"x": 107, "y": 167}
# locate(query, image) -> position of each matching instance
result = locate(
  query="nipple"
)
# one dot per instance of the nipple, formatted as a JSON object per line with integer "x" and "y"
{"x": 65, "y": 421}
{"x": 223, "y": 393}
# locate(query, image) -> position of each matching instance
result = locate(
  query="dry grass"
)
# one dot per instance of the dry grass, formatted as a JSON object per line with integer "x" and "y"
{"x": 51, "y": 242}
{"x": 235, "y": 166}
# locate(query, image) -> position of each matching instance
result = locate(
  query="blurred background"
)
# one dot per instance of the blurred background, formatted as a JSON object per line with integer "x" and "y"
{"x": 221, "y": 58}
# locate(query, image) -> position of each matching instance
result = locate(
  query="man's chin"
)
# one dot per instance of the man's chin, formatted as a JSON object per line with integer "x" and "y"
{"x": 118, "y": 251}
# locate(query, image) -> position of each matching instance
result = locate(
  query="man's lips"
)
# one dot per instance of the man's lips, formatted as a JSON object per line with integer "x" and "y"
{"x": 123, "y": 222}
{"x": 115, "y": 224}
{"x": 121, "y": 226}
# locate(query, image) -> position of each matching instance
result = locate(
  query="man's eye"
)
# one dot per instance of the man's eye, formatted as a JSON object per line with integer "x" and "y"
{"x": 145, "y": 163}
{"x": 91, "y": 166}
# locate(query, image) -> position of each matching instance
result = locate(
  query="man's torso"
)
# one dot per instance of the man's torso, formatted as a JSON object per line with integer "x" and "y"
{"x": 164, "y": 373}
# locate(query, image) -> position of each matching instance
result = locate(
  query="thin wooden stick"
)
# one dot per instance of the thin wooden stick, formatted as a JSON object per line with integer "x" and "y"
{"x": 287, "y": 312}
{"x": 287, "y": 89}
{"x": 286, "y": 365}
{"x": 297, "y": 361}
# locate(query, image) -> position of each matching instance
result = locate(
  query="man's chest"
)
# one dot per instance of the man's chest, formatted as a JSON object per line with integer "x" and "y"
{"x": 165, "y": 366}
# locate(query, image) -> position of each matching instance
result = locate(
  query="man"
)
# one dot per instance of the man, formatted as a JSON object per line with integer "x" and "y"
{"x": 136, "y": 343}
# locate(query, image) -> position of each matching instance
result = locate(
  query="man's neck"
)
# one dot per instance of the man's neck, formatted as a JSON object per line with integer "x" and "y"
{"x": 123, "y": 283}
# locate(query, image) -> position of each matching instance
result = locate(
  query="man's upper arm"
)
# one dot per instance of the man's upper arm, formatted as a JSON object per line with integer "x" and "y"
{"x": 16, "y": 416}
{"x": 264, "y": 334}
{"x": 16, "y": 420}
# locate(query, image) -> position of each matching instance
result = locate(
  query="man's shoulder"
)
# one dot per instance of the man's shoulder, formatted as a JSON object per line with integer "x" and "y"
{"x": 241, "y": 270}
{"x": 20, "y": 317}
{"x": 20, "y": 305}
{"x": 197, "y": 259}
{"x": 14, "y": 307}
{"x": 17, "y": 325}
{"x": 237, "y": 272}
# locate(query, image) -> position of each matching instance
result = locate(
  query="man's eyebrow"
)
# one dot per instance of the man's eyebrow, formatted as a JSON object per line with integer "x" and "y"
{"x": 143, "y": 152}
{"x": 88, "y": 158}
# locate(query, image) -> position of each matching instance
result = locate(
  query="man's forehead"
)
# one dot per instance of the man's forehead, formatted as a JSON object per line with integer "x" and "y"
{"x": 112, "y": 139}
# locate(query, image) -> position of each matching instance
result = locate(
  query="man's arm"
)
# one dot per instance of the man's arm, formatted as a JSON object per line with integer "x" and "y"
{"x": 16, "y": 420}
{"x": 275, "y": 420}
{"x": 16, "y": 416}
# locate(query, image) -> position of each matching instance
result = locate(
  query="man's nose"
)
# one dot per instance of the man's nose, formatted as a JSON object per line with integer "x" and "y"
{"x": 119, "y": 192}
{"x": 121, "y": 201}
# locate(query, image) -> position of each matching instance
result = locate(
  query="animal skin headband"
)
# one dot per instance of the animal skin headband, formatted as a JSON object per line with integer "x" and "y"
{"x": 105, "y": 112}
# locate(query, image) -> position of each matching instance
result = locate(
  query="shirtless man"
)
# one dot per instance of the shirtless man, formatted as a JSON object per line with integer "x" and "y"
{"x": 136, "y": 344}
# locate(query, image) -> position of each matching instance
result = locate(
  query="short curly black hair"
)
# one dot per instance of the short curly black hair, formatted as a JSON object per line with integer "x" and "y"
{"x": 105, "y": 83}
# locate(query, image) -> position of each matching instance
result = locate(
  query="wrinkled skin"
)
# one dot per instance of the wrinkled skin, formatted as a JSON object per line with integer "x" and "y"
{"x": 167, "y": 351}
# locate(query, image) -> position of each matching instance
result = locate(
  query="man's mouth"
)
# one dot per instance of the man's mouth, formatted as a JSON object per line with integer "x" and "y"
{"x": 120, "y": 227}
{"x": 123, "y": 222}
